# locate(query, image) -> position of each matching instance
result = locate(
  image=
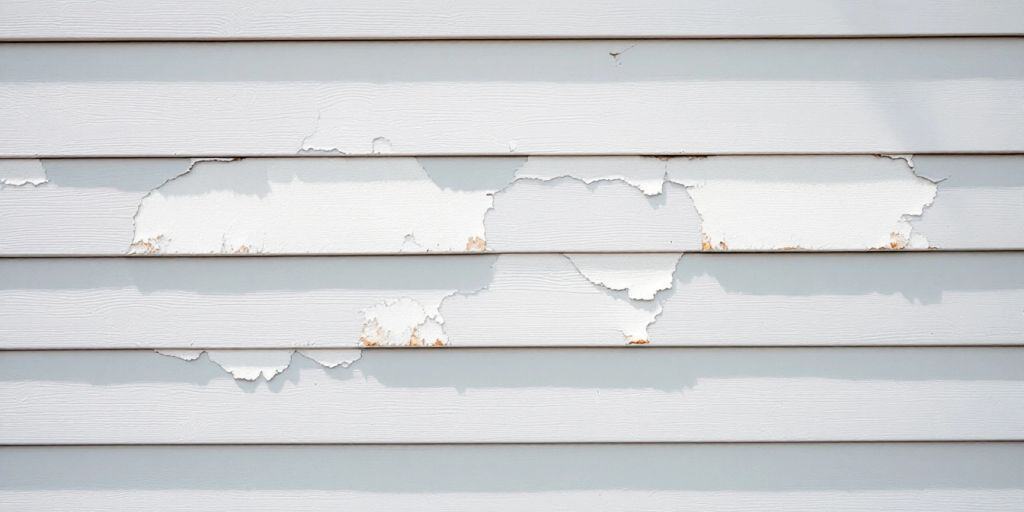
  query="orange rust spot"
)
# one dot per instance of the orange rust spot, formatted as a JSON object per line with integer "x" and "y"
{"x": 639, "y": 342}
{"x": 148, "y": 246}
{"x": 438, "y": 343}
{"x": 243, "y": 249}
{"x": 476, "y": 244}
{"x": 707, "y": 245}
{"x": 415, "y": 340}
{"x": 897, "y": 241}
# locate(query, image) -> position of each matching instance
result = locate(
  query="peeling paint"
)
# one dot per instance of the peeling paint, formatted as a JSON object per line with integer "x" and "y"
{"x": 267, "y": 206}
{"x": 797, "y": 205}
{"x": 641, "y": 275}
{"x": 559, "y": 290}
{"x": 646, "y": 174}
{"x": 372, "y": 205}
{"x": 20, "y": 172}
{"x": 251, "y": 364}
{"x": 909, "y": 159}
{"x": 403, "y": 322}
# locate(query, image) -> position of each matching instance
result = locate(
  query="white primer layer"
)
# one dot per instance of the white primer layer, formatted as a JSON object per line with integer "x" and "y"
{"x": 251, "y": 364}
{"x": 17, "y": 172}
{"x": 362, "y": 205}
{"x": 804, "y": 203}
{"x": 642, "y": 275}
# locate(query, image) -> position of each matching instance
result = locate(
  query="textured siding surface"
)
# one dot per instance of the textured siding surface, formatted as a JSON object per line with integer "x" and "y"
{"x": 475, "y": 255}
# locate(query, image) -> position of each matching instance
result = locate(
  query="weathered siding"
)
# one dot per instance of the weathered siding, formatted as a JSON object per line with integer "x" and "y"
{"x": 479, "y": 255}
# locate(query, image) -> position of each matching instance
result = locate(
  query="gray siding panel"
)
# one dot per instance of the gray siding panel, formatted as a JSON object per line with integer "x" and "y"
{"x": 930, "y": 477}
{"x": 526, "y": 97}
{"x": 525, "y": 395}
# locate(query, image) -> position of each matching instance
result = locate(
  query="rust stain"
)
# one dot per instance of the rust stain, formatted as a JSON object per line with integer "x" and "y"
{"x": 414, "y": 339}
{"x": 148, "y": 246}
{"x": 438, "y": 342}
{"x": 476, "y": 244}
{"x": 707, "y": 245}
{"x": 243, "y": 249}
{"x": 897, "y": 241}
{"x": 639, "y": 342}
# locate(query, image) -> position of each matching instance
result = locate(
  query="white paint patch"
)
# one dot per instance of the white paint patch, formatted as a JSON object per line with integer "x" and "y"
{"x": 813, "y": 203}
{"x": 18, "y": 172}
{"x": 641, "y": 275}
{"x": 645, "y": 173}
{"x": 251, "y": 364}
{"x": 404, "y": 322}
{"x": 330, "y": 205}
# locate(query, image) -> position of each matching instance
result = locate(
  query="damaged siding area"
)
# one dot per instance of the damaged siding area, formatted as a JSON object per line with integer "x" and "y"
{"x": 670, "y": 255}
{"x": 510, "y": 204}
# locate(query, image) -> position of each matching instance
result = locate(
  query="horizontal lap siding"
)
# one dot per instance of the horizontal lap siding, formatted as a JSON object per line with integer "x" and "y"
{"x": 540, "y": 97}
{"x": 925, "y": 477}
{"x": 388, "y": 19}
{"x": 805, "y": 379}
{"x": 511, "y": 300}
{"x": 503, "y": 396}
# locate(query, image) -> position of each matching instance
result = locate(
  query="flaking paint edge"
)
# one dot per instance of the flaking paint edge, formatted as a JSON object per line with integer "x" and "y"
{"x": 251, "y": 364}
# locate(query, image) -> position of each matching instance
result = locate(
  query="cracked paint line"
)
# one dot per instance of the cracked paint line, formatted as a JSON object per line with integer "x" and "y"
{"x": 20, "y": 172}
{"x": 646, "y": 174}
{"x": 810, "y": 203}
{"x": 274, "y": 206}
{"x": 252, "y": 364}
{"x": 641, "y": 275}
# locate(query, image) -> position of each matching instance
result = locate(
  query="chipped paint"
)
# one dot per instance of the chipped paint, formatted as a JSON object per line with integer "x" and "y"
{"x": 646, "y": 174}
{"x": 471, "y": 315}
{"x": 798, "y": 204}
{"x": 641, "y": 275}
{"x": 400, "y": 204}
{"x": 251, "y": 364}
{"x": 403, "y": 322}
{"x": 20, "y": 172}
{"x": 270, "y": 206}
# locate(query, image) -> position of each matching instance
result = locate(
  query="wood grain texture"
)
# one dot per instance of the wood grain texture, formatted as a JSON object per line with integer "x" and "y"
{"x": 437, "y": 19}
{"x": 521, "y": 395}
{"x": 526, "y": 97}
{"x": 920, "y": 477}
{"x": 510, "y": 300}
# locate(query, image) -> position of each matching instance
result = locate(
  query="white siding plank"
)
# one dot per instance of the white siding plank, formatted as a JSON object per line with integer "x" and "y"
{"x": 550, "y": 97}
{"x": 920, "y": 477}
{"x": 510, "y": 300}
{"x": 521, "y": 395}
{"x": 512, "y": 204}
{"x": 312, "y": 19}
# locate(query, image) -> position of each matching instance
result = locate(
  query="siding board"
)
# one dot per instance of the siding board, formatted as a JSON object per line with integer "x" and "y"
{"x": 924, "y": 477}
{"x": 526, "y": 97}
{"x": 522, "y": 395}
{"x": 512, "y": 204}
{"x": 460, "y": 19}
{"x": 510, "y": 300}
